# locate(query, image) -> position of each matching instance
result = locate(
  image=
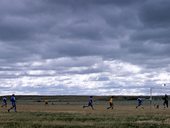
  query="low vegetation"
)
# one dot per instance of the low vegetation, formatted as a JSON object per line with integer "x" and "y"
{"x": 34, "y": 114}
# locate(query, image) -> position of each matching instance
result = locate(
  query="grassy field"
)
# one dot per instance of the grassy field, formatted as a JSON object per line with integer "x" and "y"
{"x": 67, "y": 112}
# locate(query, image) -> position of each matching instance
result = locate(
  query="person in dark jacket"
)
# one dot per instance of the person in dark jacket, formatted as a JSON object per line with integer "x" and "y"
{"x": 165, "y": 99}
{"x": 90, "y": 103}
{"x": 13, "y": 102}
{"x": 4, "y": 102}
{"x": 140, "y": 102}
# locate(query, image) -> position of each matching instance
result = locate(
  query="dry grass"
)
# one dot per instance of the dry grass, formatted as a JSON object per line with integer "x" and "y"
{"x": 99, "y": 109}
{"x": 62, "y": 115}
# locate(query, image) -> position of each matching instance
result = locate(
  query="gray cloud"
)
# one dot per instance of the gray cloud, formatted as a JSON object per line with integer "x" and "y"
{"x": 155, "y": 14}
{"x": 85, "y": 43}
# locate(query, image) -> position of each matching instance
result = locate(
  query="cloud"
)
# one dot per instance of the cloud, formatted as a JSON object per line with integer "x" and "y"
{"x": 154, "y": 14}
{"x": 83, "y": 47}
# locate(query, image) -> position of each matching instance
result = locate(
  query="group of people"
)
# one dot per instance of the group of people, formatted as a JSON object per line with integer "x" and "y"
{"x": 90, "y": 102}
{"x": 139, "y": 102}
{"x": 13, "y": 103}
{"x": 165, "y": 102}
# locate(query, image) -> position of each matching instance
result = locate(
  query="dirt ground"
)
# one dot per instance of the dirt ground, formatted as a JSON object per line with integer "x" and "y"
{"x": 118, "y": 110}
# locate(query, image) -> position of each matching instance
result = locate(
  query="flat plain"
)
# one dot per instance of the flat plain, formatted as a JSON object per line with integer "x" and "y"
{"x": 67, "y": 112}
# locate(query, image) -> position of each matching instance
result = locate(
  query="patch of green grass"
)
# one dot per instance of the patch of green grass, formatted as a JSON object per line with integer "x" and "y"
{"x": 79, "y": 120}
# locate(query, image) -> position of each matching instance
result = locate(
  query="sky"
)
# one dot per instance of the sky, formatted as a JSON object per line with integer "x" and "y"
{"x": 84, "y": 47}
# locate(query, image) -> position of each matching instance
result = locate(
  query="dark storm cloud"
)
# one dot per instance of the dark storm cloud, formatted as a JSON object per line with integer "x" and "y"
{"x": 150, "y": 40}
{"x": 51, "y": 29}
{"x": 95, "y": 2}
{"x": 154, "y": 29}
{"x": 154, "y": 13}
{"x": 57, "y": 28}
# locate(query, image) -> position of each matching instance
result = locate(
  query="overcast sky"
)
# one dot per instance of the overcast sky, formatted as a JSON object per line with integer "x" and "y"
{"x": 84, "y": 47}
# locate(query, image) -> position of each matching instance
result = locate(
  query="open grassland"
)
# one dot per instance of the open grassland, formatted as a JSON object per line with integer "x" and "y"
{"x": 71, "y": 115}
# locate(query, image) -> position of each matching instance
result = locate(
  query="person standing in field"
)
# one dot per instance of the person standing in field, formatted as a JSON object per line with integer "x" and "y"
{"x": 13, "y": 102}
{"x": 140, "y": 102}
{"x": 4, "y": 102}
{"x": 165, "y": 103}
{"x": 110, "y": 103}
{"x": 90, "y": 103}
